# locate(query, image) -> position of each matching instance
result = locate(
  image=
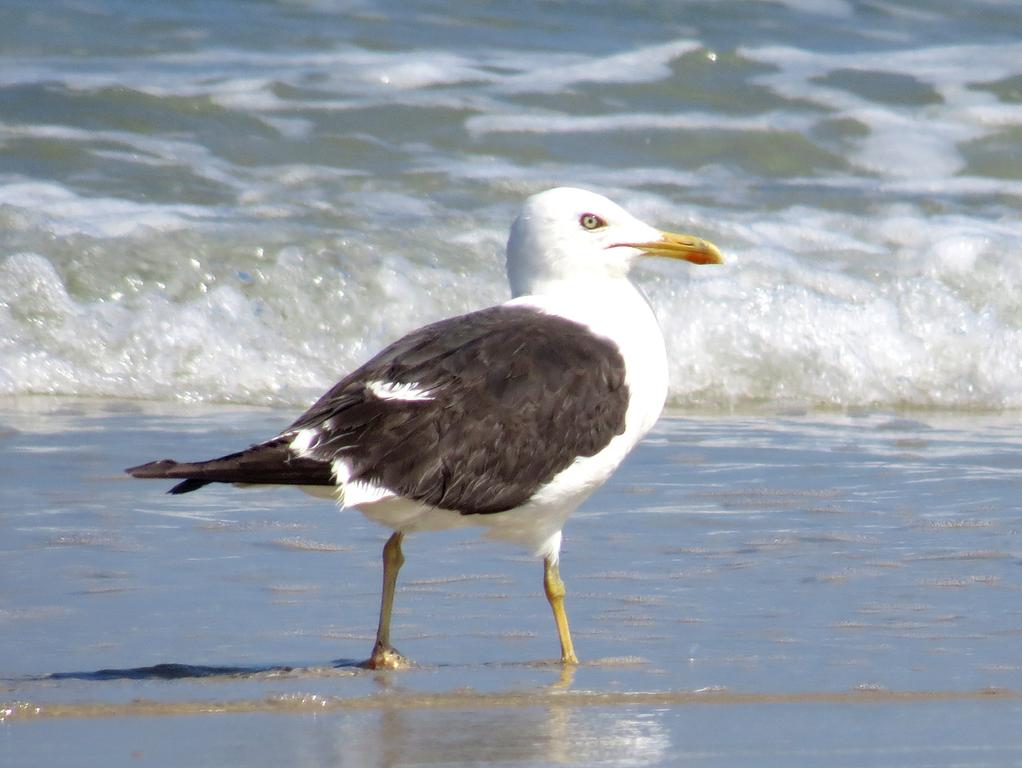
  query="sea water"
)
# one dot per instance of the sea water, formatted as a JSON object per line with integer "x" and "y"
{"x": 239, "y": 202}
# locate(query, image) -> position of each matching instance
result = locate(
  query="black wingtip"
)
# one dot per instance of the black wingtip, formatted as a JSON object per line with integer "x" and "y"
{"x": 154, "y": 469}
{"x": 164, "y": 469}
{"x": 189, "y": 485}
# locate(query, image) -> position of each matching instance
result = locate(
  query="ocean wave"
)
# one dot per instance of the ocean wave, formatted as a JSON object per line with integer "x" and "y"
{"x": 215, "y": 214}
{"x": 917, "y": 318}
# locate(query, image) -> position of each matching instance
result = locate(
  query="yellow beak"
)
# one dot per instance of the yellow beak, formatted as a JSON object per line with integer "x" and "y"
{"x": 684, "y": 247}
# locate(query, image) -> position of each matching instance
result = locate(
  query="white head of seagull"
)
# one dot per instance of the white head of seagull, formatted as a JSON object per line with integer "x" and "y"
{"x": 567, "y": 237}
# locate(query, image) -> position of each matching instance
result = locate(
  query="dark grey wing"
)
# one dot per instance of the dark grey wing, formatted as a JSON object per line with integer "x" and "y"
{"x": 269, "y": 463}
{"x": 506, "y": 399}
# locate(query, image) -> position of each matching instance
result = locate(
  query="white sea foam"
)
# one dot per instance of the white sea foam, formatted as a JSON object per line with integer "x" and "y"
{"x": 687, "y": 121}
{"x": 824, "y": 7}
{"x": 909, "y": 311}
{"x": 280, "y": 335}
{"x": 925, "y": 323}
{"x": 550, "y": 72}
{"x": 904, "y": 140}
{"x": 62, "y": 212}
{"x": 160, "y": 151}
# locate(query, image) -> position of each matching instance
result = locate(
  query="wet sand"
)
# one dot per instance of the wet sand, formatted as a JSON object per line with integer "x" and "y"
{"x": 789, "y": 589}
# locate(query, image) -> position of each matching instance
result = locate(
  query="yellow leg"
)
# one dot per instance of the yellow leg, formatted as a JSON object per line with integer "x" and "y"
{"x": 385, "y": 656}
{"x": 554, "y": 588}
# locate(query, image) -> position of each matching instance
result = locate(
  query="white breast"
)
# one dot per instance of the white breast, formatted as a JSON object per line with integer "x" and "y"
{"x": 620, "y": 313}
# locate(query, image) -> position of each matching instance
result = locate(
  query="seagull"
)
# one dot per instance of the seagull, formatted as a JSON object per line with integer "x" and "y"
{"x": 506, "y": 418}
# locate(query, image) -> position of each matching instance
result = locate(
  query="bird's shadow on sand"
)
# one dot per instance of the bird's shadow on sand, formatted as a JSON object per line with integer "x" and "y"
{"x": 338, "y": 667}
{"x": 173, "y": 671}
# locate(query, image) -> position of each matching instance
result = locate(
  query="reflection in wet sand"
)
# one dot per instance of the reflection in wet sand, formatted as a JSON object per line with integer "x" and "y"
{"x": 552, "y": 733}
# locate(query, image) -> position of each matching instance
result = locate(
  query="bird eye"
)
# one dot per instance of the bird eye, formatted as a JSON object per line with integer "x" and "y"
{"x": 591, "y": 221}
